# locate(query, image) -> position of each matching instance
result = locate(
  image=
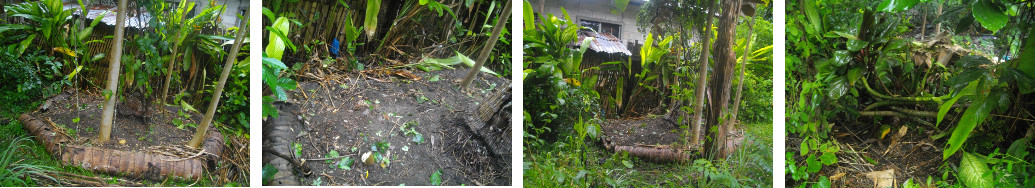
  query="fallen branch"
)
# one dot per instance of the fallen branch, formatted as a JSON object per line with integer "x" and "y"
{"x": 655, "y": 154}
{"x": 895, "y": 114}
{"x": 110, "y": 161}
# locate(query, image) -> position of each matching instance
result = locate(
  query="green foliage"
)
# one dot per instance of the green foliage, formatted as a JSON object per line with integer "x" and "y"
{"x": 51, "y": 21}
{"x": 15, "y": 171}
{"x": 268, "y": 171}
{"x": 27, "y": 77}
{"x": 370, "y": 19}
{"x": 974, "y": 172}
{"x": 272, "y": 68}
{"x": 436, "y": 178}
{"x": 557, "y": 97}
{"x": 838, "y": 61}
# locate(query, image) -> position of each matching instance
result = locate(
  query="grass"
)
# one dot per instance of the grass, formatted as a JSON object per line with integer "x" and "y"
{"x": 564, "y": 164}
{"x": 21, "y": 154}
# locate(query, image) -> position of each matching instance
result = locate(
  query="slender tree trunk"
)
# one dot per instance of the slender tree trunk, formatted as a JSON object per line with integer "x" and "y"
{"x": 695, "y": 139}
{"x": 938, "y": 26}
{"x": 168, "y": 73}
{"x": 484, "y": 54}
{"x": 107, "y": 116}
{"x": 725, "y": 61}
{"x": 743, "y": 65}
{"x": 923, "y": 26}
{"x": 199, "y": 136}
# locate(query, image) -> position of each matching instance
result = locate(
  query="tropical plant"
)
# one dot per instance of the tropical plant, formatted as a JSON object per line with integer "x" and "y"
{"x": 272, "y": 67}
{"x": 183, "y": 32}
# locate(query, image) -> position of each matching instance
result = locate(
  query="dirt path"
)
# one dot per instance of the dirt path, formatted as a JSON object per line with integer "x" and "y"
{"x": 352, "y": 116}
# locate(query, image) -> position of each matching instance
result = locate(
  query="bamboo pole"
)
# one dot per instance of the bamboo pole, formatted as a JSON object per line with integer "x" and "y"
{"x": 199, "y": 136}
{"x": 484, "y": 55}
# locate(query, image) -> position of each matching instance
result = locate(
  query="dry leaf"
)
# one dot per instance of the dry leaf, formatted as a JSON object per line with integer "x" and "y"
{"x": 882, "y": 178}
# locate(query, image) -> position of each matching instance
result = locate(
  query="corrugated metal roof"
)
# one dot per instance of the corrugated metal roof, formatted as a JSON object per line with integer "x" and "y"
{"x": 603, "y": 42}
{"x": 109, "y": 18}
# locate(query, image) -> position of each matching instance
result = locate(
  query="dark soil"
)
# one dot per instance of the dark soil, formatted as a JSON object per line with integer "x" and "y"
{"x": 647, "y": 131}
{"x": 915, "y": 156}
{"x": 352, "y": 113}
{"x": 137, "y": 133}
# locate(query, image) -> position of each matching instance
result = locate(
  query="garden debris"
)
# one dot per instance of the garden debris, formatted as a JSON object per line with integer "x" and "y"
{"x": 367, "y": 159}
{"x": 895, "y": 138}
{"x": 882, "y": 179}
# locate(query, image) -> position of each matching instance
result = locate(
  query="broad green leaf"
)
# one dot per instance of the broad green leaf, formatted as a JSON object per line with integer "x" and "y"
{"x": 267, "y": 173}
{"x": 470, "y": 63}
{"x": 275, "y": 49}
{"x": 828, "y": 158}
{"x": 823, "y": 182}
{"x": 974, "y": 172}
{"x": 346, "y": 163}
{"x": 897, "y": 5}
{"x": 944, "y": 109}
{"x": 804, "y": 147}
{"x": 854, "y": 75}
{"x": 989, "y": 15}
{"x": 1028, "y": 67}
{"x": 838, "y": 88}
{"x": 841, "y": 58}
{"x": 627, "y": 164}
{"x": 436, "y": 178}
{"x": 972, "y": 117}
{"x": 529, "y": 17}
{"x": 370, "y": 19}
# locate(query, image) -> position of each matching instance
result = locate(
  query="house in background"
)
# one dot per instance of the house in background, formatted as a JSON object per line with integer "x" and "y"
{"x": 227, "y": 19}
{"x": 616, "y": 37}
{"x": 596, "y": 14}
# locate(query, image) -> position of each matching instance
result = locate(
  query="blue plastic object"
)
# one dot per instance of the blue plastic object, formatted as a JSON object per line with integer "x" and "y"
{"x": 334, "y": 48}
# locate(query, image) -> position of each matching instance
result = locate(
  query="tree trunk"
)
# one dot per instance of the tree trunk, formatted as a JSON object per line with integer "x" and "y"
{"x": 743, "y": 65}
{"x": 107, "y": 116}
{"x": 168, "y": 73}
{"x": 484, "y": 54}
{"x": 199, "y": 136}
{"x": 695, "y": 139}
{"x": 923, "y": 26}
{"x": 725, "y": 61}
{"x": 938, "y": 26}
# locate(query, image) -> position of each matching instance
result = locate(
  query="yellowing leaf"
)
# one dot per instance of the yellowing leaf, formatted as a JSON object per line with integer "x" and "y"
{"x": 65, "y": 51}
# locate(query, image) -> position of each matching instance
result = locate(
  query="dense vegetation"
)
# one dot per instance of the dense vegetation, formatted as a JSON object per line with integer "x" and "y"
{"x": 954, "y": 72}
{"x": 563, "y": 109}
{"x": 49, "y": 49}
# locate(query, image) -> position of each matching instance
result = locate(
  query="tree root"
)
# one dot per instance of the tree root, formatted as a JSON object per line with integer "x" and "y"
{"x": 936, "y": 100}
{"x": 896, "y": 114}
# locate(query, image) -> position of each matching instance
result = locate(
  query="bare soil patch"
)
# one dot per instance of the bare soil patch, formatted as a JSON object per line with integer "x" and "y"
{"x": 352, "y": 115}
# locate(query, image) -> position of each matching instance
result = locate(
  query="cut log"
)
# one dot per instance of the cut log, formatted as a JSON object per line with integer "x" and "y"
{"x": 655, "y": 154}
{"x": 117, "y": 162}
